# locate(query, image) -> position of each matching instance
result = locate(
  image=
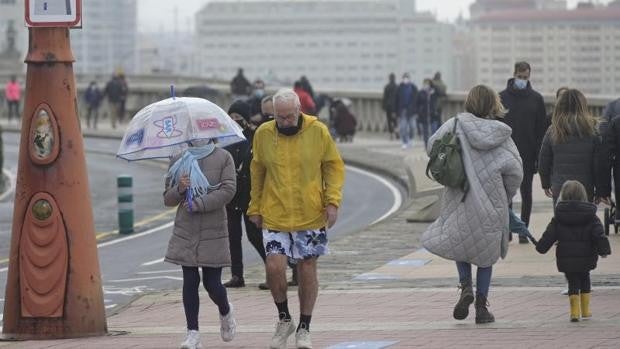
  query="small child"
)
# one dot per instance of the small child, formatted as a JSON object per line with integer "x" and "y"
{"x": 581, "y": 239}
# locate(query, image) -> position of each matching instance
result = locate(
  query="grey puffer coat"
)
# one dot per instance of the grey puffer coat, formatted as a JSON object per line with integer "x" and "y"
{"x": 476, "y": 230}
{"x": 200, "y": 238}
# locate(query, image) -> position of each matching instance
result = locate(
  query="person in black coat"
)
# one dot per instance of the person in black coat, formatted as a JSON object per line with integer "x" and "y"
{"x": 389, "y": 104}
{"x": 427, "y": 106}
{"x": 580, "y": 238}
{"x": 527, "y": 118}
{"x": 237, "y": 208}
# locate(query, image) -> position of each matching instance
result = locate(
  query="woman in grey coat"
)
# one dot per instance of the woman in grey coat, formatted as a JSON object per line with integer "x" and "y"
{"x": 472, "y": 228}
{"x": 200, "y": 183}
{"x": 572, "y": 150}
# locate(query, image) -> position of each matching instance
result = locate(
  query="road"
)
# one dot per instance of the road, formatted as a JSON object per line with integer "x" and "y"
{"x": 132, "y": 265}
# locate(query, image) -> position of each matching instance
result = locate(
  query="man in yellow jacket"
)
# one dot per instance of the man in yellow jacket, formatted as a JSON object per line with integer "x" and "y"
{"x": 297, "y": 179}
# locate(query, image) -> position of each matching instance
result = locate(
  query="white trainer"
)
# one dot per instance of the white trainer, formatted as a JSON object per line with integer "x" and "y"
{"x": 192, "y": 340}
{"x": 302, "y": 339}
{"x": 284, "y": 328}
{"x": 228, "y": 325}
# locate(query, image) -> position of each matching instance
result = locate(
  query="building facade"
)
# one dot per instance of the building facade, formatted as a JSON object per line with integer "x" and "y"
{"x": 108, "y": 40}
{"x": 349, "y": 44}
{"x": 13, "y": 36}
{"x": 578, "y": 48}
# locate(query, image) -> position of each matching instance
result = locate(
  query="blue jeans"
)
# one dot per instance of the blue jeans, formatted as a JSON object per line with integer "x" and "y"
{"x": 406, "y": 126}
{"x": 483, "y": 277}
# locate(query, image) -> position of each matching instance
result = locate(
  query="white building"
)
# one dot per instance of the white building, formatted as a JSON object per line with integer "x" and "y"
{"x": 12, "y": 16}
{"x": 578, "y": 48}
{"x": 350, "y": 44}
{"x": 108, "y": 40}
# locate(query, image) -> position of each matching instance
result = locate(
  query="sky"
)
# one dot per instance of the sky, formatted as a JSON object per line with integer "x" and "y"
{"x": 155, "y": 15}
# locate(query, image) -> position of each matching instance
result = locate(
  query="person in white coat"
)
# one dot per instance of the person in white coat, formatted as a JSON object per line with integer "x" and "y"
{"x": 473, "y": 228}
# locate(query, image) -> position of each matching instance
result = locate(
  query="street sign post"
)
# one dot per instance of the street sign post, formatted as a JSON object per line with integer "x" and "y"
{"x": 53, "y": 13}
{"x": 54, "y": 287}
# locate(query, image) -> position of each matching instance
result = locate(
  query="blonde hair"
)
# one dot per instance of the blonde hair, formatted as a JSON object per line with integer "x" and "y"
{"x": 484, "y": 102}
{"x": 573, "y": 191}
{"x": 571, "y": 117}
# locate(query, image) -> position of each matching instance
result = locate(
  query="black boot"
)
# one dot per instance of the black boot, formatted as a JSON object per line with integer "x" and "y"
{"x": 235, "y": 282}
{"x": 461, "y": 309}
{"x": 483, "y": 315}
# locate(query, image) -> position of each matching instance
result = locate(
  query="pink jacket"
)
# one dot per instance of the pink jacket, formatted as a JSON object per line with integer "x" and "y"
{"x": 13, "y": 91}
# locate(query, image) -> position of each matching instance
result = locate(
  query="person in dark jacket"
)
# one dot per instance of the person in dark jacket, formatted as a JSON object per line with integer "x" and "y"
{"x": 527, "y": 118}
{"x": 114, "y": 92}
{"x": 389, "y": 104}
{"x": 93, "y": 97}
{"x": 427, "y": 106}
{"x": 610, "y": 130}
{"x": 571, "y": 149}
{"x": 612, "y": 110}
{"x": 258, "y": 93}
{"x": 240, "y": 87}
{"x": 236, "y": 210}
{"x": 345, "y": 123}
{"x": 580, "y": 238}
{"x": 406, "y": 109}
{"x": 441, "y": 93}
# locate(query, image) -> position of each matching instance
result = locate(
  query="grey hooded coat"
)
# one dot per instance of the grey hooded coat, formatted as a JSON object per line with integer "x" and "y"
{"x": 476, "y": 230}
{"x": 200, "y": 238}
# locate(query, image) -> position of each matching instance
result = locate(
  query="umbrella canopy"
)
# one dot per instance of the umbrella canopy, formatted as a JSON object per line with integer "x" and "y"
{"x": 165, "y": 128}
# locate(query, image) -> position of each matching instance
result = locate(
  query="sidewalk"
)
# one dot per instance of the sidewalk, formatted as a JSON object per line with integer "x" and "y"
{"x": 379, "y": 287}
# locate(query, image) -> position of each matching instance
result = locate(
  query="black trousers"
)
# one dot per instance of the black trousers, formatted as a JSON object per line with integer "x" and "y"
{"x": 526, "y": 197}
{"x": 390, "y": 118}
{"x": 13, "y": 109}
{"x": 578, "y": 282}
{"x": 235, "y": 233}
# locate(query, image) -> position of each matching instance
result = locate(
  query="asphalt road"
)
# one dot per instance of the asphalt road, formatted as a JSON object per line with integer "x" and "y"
{"x": 132, "y": 265}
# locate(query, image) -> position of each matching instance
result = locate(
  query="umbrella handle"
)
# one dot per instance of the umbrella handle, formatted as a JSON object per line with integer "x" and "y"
{"x": 172, "y": 92}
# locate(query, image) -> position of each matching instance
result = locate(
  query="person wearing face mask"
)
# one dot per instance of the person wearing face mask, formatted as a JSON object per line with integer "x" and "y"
{"x": 528, "y": 119}
{"x": 406, "y": 109}
{"x": 297, "y": 179}
{"x": 258, "y": 93}
{"x": 237, "y": 208}
{"x": 427, "y": 104}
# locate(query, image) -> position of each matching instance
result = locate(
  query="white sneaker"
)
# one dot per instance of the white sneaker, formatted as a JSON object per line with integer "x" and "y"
{"x": 192, "y": 340}
{"x": 228, "y": 325}
{"x": 284, "y": 328}
{"x": 302, "y": 339}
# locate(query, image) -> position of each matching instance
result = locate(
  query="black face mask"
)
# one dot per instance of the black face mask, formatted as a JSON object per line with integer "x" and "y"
{"x": 292, "y": 130}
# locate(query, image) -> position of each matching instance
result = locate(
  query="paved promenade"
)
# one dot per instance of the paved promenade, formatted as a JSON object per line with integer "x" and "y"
{"x": 379, "y": 289}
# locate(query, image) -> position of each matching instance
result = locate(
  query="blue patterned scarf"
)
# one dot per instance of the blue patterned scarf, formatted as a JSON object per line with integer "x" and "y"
{"x": 188, "y": 164}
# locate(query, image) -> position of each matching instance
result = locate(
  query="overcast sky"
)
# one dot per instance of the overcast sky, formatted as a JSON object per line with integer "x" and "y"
{"x": 154, "y": 15}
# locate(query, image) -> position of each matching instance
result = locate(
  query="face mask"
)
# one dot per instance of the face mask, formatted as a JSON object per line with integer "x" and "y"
{"x": 292, "y": 130}
{"x": 520, "y": 84}
{"x": 405, "y": 81}
{"x": 259, "y": 93}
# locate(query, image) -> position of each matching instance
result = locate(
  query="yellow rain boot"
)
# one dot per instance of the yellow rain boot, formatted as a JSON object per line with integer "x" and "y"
{"x": 574, "y": 307}
{"x": 585, "y": 306}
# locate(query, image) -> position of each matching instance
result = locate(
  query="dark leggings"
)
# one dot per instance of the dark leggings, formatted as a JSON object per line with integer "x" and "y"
{"x": 212, "y": 281}
{"x": 578, "y": 282}
{"x": 526, "y": 197}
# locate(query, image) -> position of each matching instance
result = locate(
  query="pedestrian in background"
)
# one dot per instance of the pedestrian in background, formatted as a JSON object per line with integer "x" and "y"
{"x": 389, "y": 104}
{"x": 572, "y": 149}
{"x": 527, "y": 117}
{"x": 427, "y": 105}
{"x": 258, "y": 93}
{"x": 441, "y": 93}
{"x": 345, "y": 123}
{"x": 240, "y": 87}
{"x": 307, "y": 102}
{"x": 113, "y": 91}
{"x": 237, "y": 208}
{"x": 297, "y": 180}
{"x": 124, "y": 94}
{"x": 406, "y": 109}
{"x": 93, "y": 97}
{"x": 200, "y": 235}
{"x": 305, "y": 84}
{"x": 13, "y": 95}
{"x": 580, "y": 239}
{"x": 494, "y": 172}
{"x": 612, "y": 110}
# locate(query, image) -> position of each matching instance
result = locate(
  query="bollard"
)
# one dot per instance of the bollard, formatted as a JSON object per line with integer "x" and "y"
{"x": 125, "y": 204}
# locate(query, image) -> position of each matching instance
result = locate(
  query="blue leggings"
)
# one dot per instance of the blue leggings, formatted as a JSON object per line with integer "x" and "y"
{"x": 212, "y": 281}
{"x": 483, "y": 277}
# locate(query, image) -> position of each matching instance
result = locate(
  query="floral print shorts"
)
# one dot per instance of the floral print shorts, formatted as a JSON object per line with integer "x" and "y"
{"x": 297, "y": 245}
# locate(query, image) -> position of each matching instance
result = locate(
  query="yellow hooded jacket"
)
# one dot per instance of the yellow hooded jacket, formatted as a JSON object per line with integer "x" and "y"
{"x": 295, "y": 177}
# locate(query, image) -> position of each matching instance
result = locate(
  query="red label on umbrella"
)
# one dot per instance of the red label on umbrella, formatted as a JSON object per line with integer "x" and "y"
{"x": 207, "y": 124}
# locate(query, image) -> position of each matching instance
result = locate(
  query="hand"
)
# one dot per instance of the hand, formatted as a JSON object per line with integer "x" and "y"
{"x": 184, "y": 183}
{"x": 185, "y": 206}
{"x": 604, "y": 256}
{"x": 257, "y": 220}
{"x": 549, "y": 193}
{"x": 331, "y": 213}
{"x": 605, "y": 200}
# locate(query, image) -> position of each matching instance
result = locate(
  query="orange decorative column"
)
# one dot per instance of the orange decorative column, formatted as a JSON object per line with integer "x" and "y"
{"x": 54, "y": 284}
